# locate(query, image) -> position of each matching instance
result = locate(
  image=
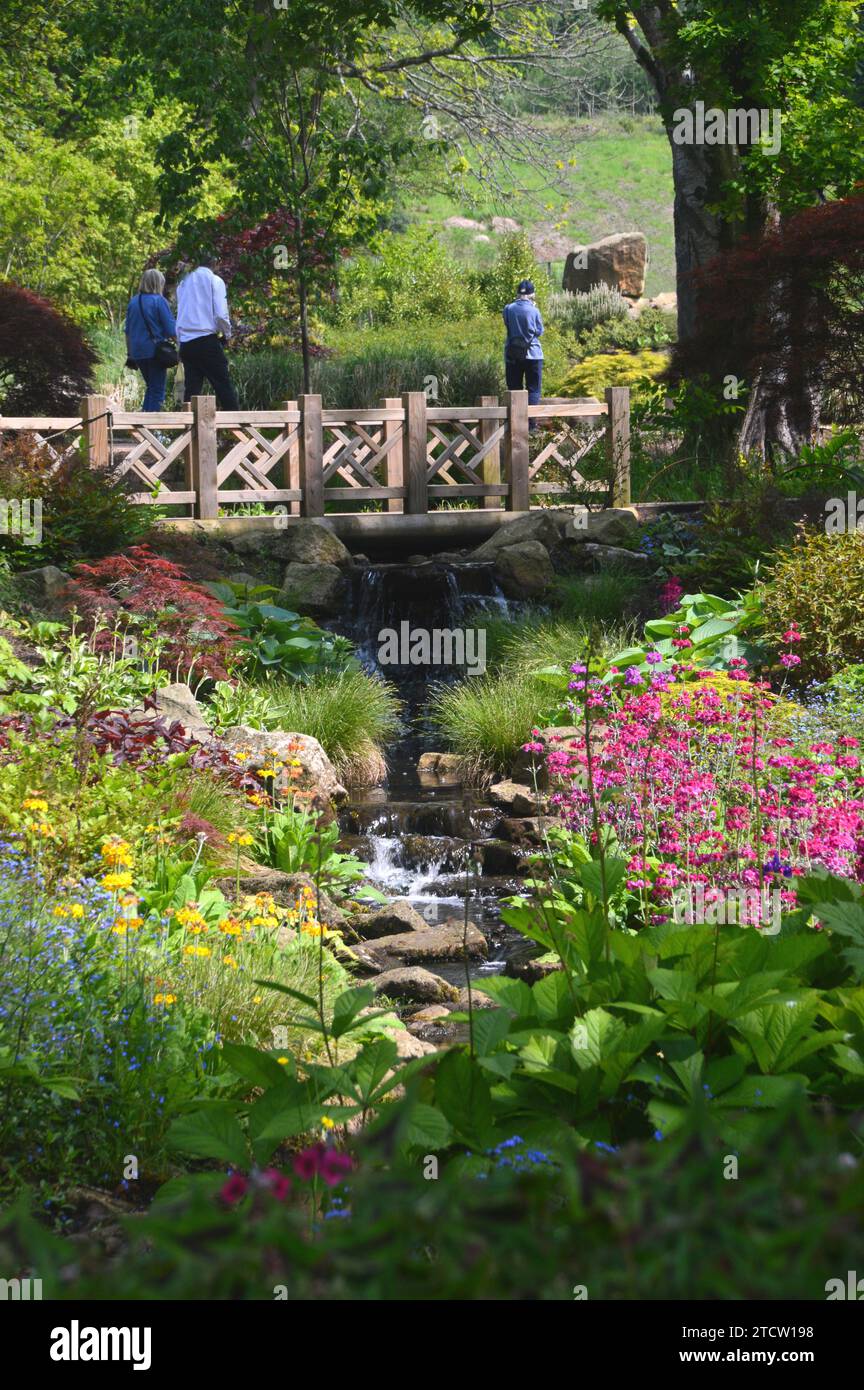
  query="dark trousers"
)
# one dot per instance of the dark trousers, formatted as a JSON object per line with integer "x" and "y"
{"x": 155, "y": 378}
{"x": 525, "y": 376}
{"x": 204, "y": 360}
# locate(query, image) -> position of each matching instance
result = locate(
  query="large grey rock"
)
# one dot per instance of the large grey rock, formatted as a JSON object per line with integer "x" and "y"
{"x": 42, "y": 585}
{"x": 606, "y": 557}
{"x": 398, "y": 916}
{"x": 294, "y": 891}
{"x": 612, "y": 526}
{"x": 447, "y": 942}
{"x": 302, "y": 539}
{"x": 619, "y": 261}
{"x": 290, "y": 750}
{"x": 524, "y": 570}
{"x": 415, "y": 985}
{"x": 515, "y": 799}
{"x": 178, "y": 702}
{"x": 315, "y": 590}
{"x": 544, "y": 526}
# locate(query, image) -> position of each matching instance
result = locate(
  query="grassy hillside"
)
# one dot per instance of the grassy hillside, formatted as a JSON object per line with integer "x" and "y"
{"x": 621, "y": 182}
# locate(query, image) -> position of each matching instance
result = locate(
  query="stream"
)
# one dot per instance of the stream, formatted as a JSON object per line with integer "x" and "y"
{"x": 422, "y": 834}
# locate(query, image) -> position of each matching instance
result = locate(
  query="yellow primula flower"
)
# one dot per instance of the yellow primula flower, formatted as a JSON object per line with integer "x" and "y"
{"x": 116, "y": 882}
{"x": 327, "y": 1123}
{"x": 34, "y": 803}
{"x": 240, "y": 838}
{"x": 117, "y": 853}
{"x": 196, "y": 950}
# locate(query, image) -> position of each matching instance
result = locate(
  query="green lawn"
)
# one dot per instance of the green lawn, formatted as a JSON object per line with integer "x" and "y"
{"x": 622, "y": 181}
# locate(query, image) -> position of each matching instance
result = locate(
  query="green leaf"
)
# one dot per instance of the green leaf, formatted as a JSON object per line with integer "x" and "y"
{"x": 462, "y": 1093}
{"x": 427, "y": 1128}
{"x": 260, "y": 1068}
{"x": 210, "y": 1133}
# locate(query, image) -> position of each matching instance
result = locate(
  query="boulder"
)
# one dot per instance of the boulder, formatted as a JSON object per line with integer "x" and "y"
{"x": 407, "y": 1047}
{"x": 531, "y": 970}
{"x": 667, "y": 302}
{"x": 290, "y": 750}
{"x": 612, "y": 526}
{"x": 515, "y": 799}
{"x": 42, "y": 585}
{"x": 527, "y": 830}
{"x": 465, "y": 224}
{"x": 398, "y": 916}
{"x": 499, "y": 857}
{"x": 314, "y": 590}
{"x": 619, "y": 261}
{"x": 447, "y": 766}
{"x": 525, "y": 570}
{"x": 415, "y": 985}
{"x": 178, "y": 702}
{"x": 503, "y": 225}
{"x": 441, "y": 943}
{"x": 544, "y": 526}
{"x": 287, "y": 890}
{"x": 604, "y": 557}
{"x": 300, "y": 539}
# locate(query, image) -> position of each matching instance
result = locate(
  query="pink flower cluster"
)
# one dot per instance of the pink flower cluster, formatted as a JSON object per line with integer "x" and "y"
{"x": 701, "y": 789}
{"x": 322, "y": 1161}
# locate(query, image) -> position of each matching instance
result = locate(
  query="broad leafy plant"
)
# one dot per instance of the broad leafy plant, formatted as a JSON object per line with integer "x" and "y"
{"x": 276, "y": 641}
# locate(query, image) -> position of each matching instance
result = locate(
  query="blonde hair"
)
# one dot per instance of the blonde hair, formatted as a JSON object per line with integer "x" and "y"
{"x": 152, "y": 282}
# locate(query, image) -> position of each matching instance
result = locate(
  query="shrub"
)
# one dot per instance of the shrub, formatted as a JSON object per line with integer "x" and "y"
{"x": 85, "y": 513}
{"x": 591, "y": 377}
{"x": 818, "y": 585}
{"x": 45, "y": 361}
{"x": 653, "y": 329}
{"x": 405, "y": 278}
{"x": 497, "y": 286}
{"x": 147, "y": 589}
{"x": 576, "y": 312}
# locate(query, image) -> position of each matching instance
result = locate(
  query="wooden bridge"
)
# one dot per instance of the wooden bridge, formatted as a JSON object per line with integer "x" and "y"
{"x": 404, "y": 456}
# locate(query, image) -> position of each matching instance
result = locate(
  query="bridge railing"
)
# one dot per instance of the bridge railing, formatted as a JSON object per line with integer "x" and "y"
{"x": 402, "y": 456}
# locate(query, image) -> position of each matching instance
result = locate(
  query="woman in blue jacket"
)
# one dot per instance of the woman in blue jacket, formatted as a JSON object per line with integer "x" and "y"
{"x": 149, "y": 321}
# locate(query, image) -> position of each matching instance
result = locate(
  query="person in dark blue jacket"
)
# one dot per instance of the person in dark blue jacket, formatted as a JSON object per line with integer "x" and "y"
{"x": 523, "y": 355}
{"x": 149, "y": 321}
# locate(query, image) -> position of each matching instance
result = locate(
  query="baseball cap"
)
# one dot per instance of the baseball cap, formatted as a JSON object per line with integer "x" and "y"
{"x": 526, "y": 287}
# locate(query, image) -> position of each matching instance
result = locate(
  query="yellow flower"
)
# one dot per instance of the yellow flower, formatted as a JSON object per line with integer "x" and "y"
{"x": 266, "y": 772}
{"x": 166, "y": 999}
{"x": 230, "y": 962}
{"x": 327, "y": 1123}
{"x": 196, "y": 950}
{"x": 117, "y": 853}
{"x": 34, "y": 803}
{"x": 256, "y": 999}
{"x": 76, "y": 910}
{"x": 116, "y": 882}
{"x": 283, "y": 1061}
{"x": 240, "y": 838}
{"x": 190, "y": 917}
{"x": 229, "y": 926}
{"x": 60, "y": 911}
{"x": 150, "y": 829}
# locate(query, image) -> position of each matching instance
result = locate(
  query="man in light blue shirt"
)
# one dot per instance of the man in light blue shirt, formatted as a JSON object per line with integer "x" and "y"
{"x": 523, "y": 355}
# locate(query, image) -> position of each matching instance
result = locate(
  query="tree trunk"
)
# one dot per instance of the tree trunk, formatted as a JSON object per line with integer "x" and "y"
{"x": 700, "y": 235}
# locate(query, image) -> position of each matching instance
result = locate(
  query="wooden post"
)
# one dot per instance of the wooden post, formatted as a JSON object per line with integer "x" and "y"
{"x": 516, "y": 451}
{"x": 414, "y": 466}
{"x": 187, "y": 460}
{"x": 491, "y": 465}
{"x": 204, "y": 455}
{"x": 395, "y": 472}
{"x": 95, "y": 430}
{"x": 618, "y": 443}
{"x": 291, "y": 462}
{"x": 311, "y": 457}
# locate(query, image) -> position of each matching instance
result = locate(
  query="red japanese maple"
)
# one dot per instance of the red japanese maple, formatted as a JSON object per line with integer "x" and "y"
{"x": 142, "y": 584}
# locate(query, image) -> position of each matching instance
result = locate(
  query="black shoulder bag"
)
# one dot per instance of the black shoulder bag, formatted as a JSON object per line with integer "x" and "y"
{"x": 165, "y": 353}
